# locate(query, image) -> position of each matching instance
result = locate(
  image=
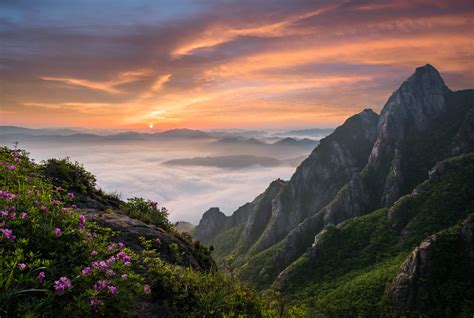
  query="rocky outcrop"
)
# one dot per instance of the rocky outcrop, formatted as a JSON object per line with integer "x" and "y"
{"x": 129, "y": 231}
{"x": 211, "y": 224}
{"x": 409, "y": 290}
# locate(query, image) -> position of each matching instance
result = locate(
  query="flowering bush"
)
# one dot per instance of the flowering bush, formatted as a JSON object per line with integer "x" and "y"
{"x": 51, "y": 259}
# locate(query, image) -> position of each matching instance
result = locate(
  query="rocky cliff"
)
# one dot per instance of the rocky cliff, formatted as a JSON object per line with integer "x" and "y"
{"x": 367, "y": 163}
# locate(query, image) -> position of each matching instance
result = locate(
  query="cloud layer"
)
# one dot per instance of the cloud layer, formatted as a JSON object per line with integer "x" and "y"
{"x": 205, "y": 64}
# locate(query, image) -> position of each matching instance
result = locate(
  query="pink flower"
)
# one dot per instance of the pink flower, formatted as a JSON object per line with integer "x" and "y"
{"x": 70, "y": 194}
{"x": 44, "y": 208}
{"x": 12, "y": 215}
{"x": 121, "y": 245}
{"x": 5, "y": 213}
{"x": 58, "y": 189}
{"x": 17, "y": 159}
{"x": 8, "y": 234}
{"x": 22, "y": 266}
{"x": 86, "y": 271}
{"x": 157, "y": 241}
{"x": 11, "y": 167}
{"x": 124, "y": 276}
{"x": 112, "y": 289}
{"x": 96, "y": 303}
{"x": 74, "y": 206}
{"x": 57, "y": 231}
{"x": 146, "y": 289}
{"x": 111, "y": 247}
{"x": 101, "y": 284}
{"x": 62, "y": 284}
{"x": 94, "y": 253}
{"x": 41, "y": 277}
{"x": 56, "y": 202}
{"x": 103, "y": 265}
{"x": 82, "y": 219}
{"x": 111, "y": 260}
{"x": 23, "y": 215}
{"x": 110, "y": 272}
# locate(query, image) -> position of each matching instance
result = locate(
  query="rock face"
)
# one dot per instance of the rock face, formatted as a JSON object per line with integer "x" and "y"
{"x": 367, "y": 163}
{"x": 130, "y": 230}
{"x": 211, "y": 224}
{"x": 410, "y": 290}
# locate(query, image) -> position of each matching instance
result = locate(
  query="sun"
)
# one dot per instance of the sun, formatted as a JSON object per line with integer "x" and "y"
{"x": 151, "y": 126}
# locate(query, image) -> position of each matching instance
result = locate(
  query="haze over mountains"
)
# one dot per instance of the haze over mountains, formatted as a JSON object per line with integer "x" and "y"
{"x": 367, "y": 163}
{"x": 186, "y": 170}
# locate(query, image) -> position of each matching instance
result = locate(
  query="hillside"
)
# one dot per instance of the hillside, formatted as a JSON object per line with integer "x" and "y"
{"x": 67, "y": 249}
{"x": 366, "y": 164}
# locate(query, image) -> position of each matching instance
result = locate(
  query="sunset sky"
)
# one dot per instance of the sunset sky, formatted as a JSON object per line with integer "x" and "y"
{"x": 220, "y": 64}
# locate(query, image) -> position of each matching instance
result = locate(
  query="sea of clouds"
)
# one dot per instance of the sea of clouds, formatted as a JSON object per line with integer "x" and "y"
{"x": 187, "y": 191}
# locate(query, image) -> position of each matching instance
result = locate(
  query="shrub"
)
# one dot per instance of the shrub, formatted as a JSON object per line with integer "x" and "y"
{"x": 68, "y": 174}
{"x": 148, "y": 212}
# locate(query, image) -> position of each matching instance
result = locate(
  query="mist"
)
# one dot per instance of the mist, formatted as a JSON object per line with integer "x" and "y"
{"x": 139, "y": 168}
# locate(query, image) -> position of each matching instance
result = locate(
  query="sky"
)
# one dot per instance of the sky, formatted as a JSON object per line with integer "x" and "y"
{"x": 206, "y": 64}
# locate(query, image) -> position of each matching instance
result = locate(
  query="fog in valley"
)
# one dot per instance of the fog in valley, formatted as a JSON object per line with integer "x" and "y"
{"x": 187, "y": 171}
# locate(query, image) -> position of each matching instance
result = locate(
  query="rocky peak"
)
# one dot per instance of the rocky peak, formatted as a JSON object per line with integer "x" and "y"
{"x": 211, "y": 224}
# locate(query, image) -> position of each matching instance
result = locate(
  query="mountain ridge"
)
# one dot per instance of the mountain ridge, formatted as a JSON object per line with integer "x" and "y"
{"x": 391, "y": 153}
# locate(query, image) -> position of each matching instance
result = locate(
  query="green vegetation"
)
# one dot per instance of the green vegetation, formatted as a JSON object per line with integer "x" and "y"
{"x": 148, "y": 212}
{"x": 353, "y": 262}
{"x": 54, "y": 263}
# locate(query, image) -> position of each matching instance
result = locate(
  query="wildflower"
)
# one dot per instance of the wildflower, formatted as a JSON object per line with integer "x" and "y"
{"x": 96, "y": 303}
{"x": 82, "y": 220}
{"x": 124, "y": 276}
{"x": 5, "y": 213}
{"x": 121, "y": 245}
{"x": 74, "y": 206}
{"x": 56, "y": 202}
{"x": 110, "y": 272}
{"x": 12, "y": 215}
{"x": 41, "y": 277}
{"x": 94, "y": 253}
{"x": 22, "y": 266}
{"x": 17, "y": 159}
{"x": 95, "y": 265}
{"x": 146, "y": 289}
{"x": 36, "y": 202}
{"x": 57, "y": 231}
{"x": 8, "y": 234}
{"x": 43, "y": 208}
{"x": 111, "y": 260}
{"x": 86, "y": 271}
{"x": 23, "y": 215}
{"x": 101, "y": 284}
{"x": 111, "y": 247}
{"x": 103, "y": 265}
{"x": 157, "y": 241}
{"x": 58, "y": 189}
{"x": 11, "y": 167}
{"x": 70, "y": 194}
{"x": 7, "y": 195}
{"x": 62, "y": 284}
{"x": 112, "y": 289}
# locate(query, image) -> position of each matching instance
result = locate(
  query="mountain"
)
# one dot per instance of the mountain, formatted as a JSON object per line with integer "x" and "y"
{"x": 13, "y": 130}
{"x": 232, "y": 162}
{"x": 313, "y": 132}
{"x": 183, "y": 133}
{"x": 366, "y": 164}
{"x": 293, "y": 142}
{"x": 240, "y": 141}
